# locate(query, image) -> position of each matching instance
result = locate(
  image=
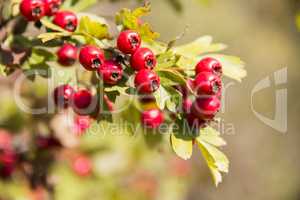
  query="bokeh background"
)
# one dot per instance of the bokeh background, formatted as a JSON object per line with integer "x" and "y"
{"x": 264, "y": 162}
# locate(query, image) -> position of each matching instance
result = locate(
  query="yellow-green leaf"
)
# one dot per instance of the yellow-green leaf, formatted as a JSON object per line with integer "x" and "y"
{"x": 211, "y": 136}
{"x": 93, "y": 28}
{"x": 183, "y": 148}
{"x": 199, "y": 46}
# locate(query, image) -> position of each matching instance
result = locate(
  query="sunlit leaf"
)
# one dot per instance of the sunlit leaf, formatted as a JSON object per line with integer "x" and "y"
{"x": 183, "y": 148}
{"x": 199, "y": 46}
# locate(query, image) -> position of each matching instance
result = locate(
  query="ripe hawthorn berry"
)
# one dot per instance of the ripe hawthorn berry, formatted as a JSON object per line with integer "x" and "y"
{"x": 146, "y": 81}
{"x": 128, "y": 41}
{"x": 91, "y": 57}
{"x": 63, "y": 95}
{"x": 82, "y": 165}
{"x": 209, "y": 65}
{"x": 143, "y": 58}
{"x": 207, "y": 83}
{"x": 82, "y": 100}
{"x": 66, "y": 20}
{"x": 206, "y": 107}
{"x": 111, "y": 72}
{"x": 152, "y": 118}
{"x": 33, "y": 10}
{"x": 67, "y": 54}
{"x": 52, "y": 6}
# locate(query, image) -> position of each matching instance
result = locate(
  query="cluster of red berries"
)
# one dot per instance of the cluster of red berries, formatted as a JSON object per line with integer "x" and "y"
{"x": 142, "y": 60}
{"x": 208, "y": 87}
{"x": 146, "y": 81}
{"x": 34, "y": 10}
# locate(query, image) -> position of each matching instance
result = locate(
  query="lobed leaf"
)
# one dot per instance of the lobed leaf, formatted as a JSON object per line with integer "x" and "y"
{"x": 217, "y": 161}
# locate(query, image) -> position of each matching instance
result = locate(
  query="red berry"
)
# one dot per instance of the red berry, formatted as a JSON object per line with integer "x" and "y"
{"x": 52, "y": 6}
{"x": 91, "y": 57}
{"x": 63, "y": 95}
{"x": 81, "y": 101}
{"x": 128, "y": 41}
{"x": 143, "y": 58}
{"x": 206, "y": 107}
{"x": 146, "y": 81}
{"x": 152, "y": 118}
{"x": 66, "y": 20}
{"x": 82, "y": 165}
{"x": 209, "y": 65}
{"x": 67, "y": 54}
{"x": 207, "y": 83}
{"x": 33, "y": 10}
{"x": 111, "y": 72}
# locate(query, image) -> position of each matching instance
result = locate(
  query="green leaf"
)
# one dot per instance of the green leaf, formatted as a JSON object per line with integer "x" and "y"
{"x": 183, "y": 148}
{"x": 128, "y": 19}
{"x": 216, "y": 160}
{"x": 161, "y": 96}
{"x": 170, "y": 77}
{"x": 211, "y": 136}
{"x": 199, "y": 46}
{"x": 166, "y": 60}
{"x": 39, "y": 55}
{"x": 93, "y": 28}
{"x": 216, "y": 174}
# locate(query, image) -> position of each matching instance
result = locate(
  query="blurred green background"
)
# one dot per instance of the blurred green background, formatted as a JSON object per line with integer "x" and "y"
{"x": 264, "y": 162}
